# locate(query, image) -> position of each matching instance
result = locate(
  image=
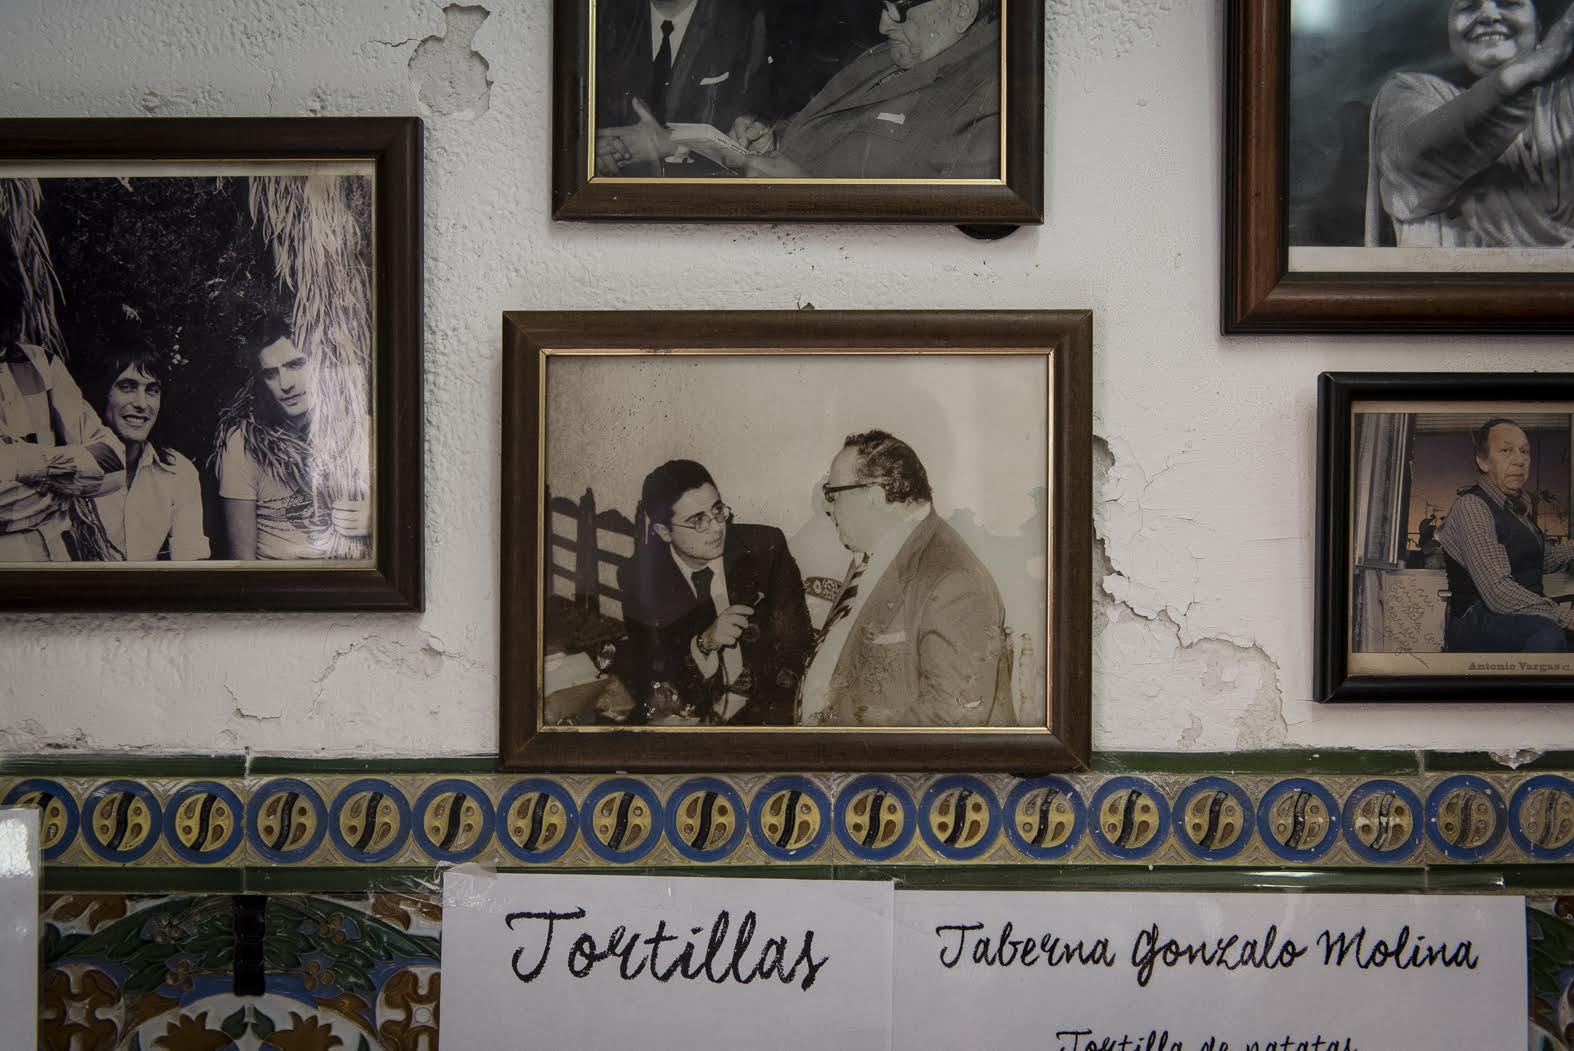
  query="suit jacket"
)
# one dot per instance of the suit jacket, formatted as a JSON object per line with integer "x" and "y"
{"x": 718, "y": 74}
{"x": 939, "y": 119}
{"x": 929, "y": 645}
{"x": 663, "y": 615}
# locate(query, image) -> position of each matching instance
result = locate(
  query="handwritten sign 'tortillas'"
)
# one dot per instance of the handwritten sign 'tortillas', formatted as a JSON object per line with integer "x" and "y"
{"x": 603, "y": 961}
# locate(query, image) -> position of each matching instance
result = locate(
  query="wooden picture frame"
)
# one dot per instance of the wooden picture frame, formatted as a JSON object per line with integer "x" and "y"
{"x": 354, "y": 309}
{"x": 1272, "y": 281}
{"x": 1012, "y": 194}
{"x": 755, "y": 378}
{"x": 1403, "y": 597}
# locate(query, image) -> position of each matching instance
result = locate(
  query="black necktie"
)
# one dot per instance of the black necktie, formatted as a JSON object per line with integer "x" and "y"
{"x": 661, "y": 73}
{"x": 702, "y": 579}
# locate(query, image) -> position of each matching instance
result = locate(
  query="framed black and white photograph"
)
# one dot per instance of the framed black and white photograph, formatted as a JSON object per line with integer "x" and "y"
{"x": 796, "y": 540}
{"x": 1445, "y": 564}
{"x": 1400, "y": 166}
{"x": 772, "y": 110}
{"x": 210, "y": 364}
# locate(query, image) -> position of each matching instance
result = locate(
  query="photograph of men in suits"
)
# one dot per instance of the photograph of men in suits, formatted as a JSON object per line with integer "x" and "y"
{"x": 673, "y": 61}
{"x": 917, "y": 636}
{"x": 718, "y": 630}
{"x": 1496, "y": 556}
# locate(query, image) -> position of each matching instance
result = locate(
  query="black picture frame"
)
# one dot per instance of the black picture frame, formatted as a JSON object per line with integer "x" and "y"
{"x": 1259, "y": 291}
{"x": 1338, "y": 395}
{"x": 530, "y": 338}
{"x": 392, "y": 578}
{"x": 1017, "y": 198}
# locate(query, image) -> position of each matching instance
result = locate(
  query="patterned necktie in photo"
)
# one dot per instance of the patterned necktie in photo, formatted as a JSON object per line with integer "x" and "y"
{"x": 661, "y": 73}
{"x": 844, "y": 601}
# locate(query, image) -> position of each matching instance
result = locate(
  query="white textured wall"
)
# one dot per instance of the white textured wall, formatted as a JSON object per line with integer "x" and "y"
{"x": 1205, "y": 462}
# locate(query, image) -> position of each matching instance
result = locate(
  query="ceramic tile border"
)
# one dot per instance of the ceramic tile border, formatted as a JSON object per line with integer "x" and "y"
{"x": 210, "y": 831}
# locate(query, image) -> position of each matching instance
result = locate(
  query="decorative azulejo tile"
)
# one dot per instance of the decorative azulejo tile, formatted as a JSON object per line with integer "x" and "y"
{"x": 368, "y": 820}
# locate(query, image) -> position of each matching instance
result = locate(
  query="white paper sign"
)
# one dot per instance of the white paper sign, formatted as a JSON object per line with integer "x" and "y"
{"x": 1208, "y": 972}
{"x": 536, "y": 961}
{"x": 19, "y": 868}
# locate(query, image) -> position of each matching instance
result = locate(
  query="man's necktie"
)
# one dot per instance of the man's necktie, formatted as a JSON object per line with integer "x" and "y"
{"x": 702, "y": 579}
{"x": 661, "y": 73}
{"x": 844, "y": 601}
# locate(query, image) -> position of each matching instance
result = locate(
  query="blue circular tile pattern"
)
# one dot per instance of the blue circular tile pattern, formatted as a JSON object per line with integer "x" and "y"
{"x": 1045, "y": 818}
{"x": 706, "y": 819}
{"x": 622, "y": 819}
{"x": 120, "y": 821}
{"x": 369, "y": 821}
{"x": 286, "y": 820}
{"x": 1298, "y": 819}
{"x": 1465, "y": 817}
{"x": 58, "y": 817}
{"x": 790, "y": 818}
{"x": 875, "y": 818}
{"x": 1541, "y": 817}
{"x": 453, "y": 820}
{"x": 204, "y": 823}
{"x": 1382, "y": 821}
{"x": 1214, "y": 819}
{"x": 537, "y": 820}
{"x": 1130, "y": 818}
{"x": 959, "y": 817}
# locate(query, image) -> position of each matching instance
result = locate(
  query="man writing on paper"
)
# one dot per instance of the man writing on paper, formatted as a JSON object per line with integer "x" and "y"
{"x": 917, "y": 636}
{"x": 690, "y": 62}
{"x": 1496, "y": 556}
{"x": 717, "y": 624}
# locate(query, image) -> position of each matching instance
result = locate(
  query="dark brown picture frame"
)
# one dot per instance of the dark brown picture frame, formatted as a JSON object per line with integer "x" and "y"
{"x": 1018, "y": 198}
{"x": 394, "y": 579}
{"x": 1337, "y": 395}
{"x": 1261, "y": 294}
{"x": 1063, "y": 744}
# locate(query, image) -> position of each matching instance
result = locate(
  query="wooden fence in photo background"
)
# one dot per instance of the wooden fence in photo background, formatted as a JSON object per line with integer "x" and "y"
{"x": 585, "y": 550}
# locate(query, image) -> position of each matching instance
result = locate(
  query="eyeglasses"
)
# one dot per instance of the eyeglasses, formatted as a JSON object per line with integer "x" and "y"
{"x": 830, "y": 492}
{"x": 717, "y": 516}
{"x": 896, "y": 10}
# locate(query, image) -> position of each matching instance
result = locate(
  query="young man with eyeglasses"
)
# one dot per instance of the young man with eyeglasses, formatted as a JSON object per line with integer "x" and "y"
{"x": 718, "y": 630}
{"x": 917, "y": 636}
{"x": 923, "y": 104}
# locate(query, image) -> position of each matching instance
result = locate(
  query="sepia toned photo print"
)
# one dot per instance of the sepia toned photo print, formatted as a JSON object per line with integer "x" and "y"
{"x": 797, "y": 89}
{"x": 796, "y": 541}
{"x": 1460, "y": 538}
{"x": 1431, "y": 135}
{"x": 185, "y": 364}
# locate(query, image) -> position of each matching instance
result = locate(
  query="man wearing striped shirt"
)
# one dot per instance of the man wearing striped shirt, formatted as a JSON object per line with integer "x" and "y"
{"x": 1496, "y": 556}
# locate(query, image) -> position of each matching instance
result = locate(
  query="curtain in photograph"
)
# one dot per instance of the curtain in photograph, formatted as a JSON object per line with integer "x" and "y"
{"x": 1382, "y": 443}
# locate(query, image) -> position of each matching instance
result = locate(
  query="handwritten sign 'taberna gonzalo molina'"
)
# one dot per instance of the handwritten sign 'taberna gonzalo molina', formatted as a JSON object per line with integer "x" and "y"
{"x": 1208, "y": 972}
{"x": 612, "y": 961}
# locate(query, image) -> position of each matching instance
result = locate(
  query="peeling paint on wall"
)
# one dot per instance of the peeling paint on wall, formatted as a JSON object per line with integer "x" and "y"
{"x": 451, "y": 77}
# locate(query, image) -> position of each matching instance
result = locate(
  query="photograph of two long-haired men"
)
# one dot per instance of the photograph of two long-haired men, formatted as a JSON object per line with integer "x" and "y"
{"x": 785, "y": 541}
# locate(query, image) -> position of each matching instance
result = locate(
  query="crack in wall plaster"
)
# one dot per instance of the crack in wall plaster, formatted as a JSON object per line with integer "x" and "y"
{"x": 424, "y": 660}
{"x": 1224, "y": 661}
{"x": 1515, "y": 760}
{"x": 450, "y": 76}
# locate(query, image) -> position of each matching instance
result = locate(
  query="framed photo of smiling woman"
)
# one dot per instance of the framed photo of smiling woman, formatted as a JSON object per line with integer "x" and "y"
{"x": 781, "y": 110}
{"x": 201, "y": 347}
{"x": 1397, "y": 167}
{"x": 1445, "y": 558}
{"x": 796, "y": 540}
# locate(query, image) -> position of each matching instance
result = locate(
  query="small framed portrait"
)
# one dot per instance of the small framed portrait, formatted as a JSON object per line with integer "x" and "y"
{"x": 782, "y": 110}
{"x": 796, "y": 540}
{"x": 1444, "y": 561}
{"x": 1398, "y": 167}
{"x": 210, "y": 364}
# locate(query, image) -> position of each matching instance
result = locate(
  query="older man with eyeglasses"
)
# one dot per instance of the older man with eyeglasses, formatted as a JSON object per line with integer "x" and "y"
{"x": 924, "y": 104}
{"x": 917, "y": 635}
{"x": 718, "y": 630}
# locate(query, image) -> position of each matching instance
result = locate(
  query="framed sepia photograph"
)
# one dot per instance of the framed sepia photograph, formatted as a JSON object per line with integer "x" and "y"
{"x": 210, "y": 364}
{"x": 783, "y": 110}
{"x": 1444, "y": 561}
{"x": 796, "y": 540}
{"x": 1405, "y": 166}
